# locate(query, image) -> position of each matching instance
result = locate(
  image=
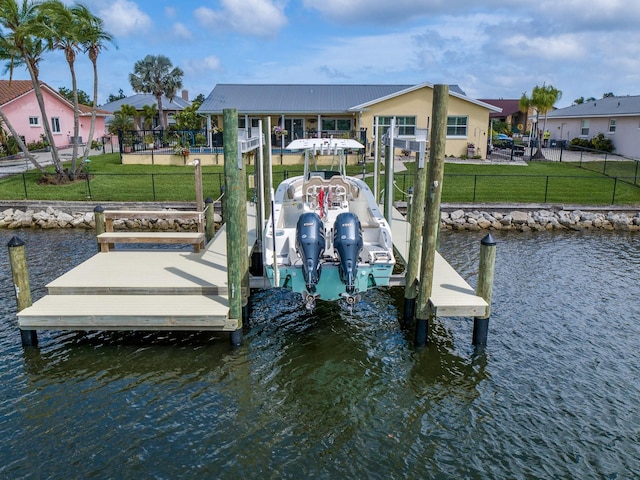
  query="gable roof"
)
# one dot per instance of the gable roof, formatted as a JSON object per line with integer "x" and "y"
{"x": 604, "y": 107}
{"x": 139, "y": 100}
{"x": 508, "y": 106}
{"x": 11, "y": 90}
{"x": 298, "y": 99}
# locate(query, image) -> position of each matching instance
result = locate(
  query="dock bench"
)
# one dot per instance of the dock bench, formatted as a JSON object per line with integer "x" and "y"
{"x": 109, "y": 238}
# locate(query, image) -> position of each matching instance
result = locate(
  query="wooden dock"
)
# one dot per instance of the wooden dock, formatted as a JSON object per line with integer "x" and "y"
{"x": 451, "y": 296}
{"x": 141, "y": 290}
{"x": 181, "y": 290}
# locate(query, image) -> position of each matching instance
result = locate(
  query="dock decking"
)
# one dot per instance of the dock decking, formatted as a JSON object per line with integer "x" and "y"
{"x": 181, "y": 290}
{"x": 141, "y": 290}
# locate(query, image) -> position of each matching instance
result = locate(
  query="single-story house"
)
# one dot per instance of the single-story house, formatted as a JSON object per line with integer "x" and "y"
{"x": 520, "y": 122}
{"x": 20, "y": 105}
{"x": 616, "y": 117}
{"x": 305, "y": 111}
{"x": 138, "y": 101}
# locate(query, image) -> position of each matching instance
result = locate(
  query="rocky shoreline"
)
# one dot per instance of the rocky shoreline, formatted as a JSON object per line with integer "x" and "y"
{"x": 456, "y": 219}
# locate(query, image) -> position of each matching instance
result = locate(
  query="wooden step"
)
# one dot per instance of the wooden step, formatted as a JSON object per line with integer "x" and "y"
{"x": 128, "y": 312}
{"x": 108, "y": 239}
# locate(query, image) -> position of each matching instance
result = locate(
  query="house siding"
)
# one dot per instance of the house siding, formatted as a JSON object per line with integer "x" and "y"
{"x": 19, "y": 110}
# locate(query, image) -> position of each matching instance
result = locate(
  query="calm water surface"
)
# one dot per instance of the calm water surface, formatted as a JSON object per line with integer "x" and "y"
{"x": 335, "y": 394}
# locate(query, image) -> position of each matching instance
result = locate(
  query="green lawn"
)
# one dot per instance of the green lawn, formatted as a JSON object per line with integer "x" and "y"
{"x": 540, "y": 182}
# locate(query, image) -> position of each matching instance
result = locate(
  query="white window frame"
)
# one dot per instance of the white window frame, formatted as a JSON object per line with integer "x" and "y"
{"x": 457, "y": 126}
{"x": 584, "y": 128}
{"x": 34, "y": 121}
{"x": 406, "y": 124}
{"x": 55, "y": 125}
{"x": 612, "y": 125}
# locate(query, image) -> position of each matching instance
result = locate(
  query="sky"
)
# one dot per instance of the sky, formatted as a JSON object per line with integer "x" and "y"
{"x": 490, "y": 48}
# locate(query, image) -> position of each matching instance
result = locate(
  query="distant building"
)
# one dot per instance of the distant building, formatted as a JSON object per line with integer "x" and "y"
{"x": 616, "y": 117}
{"x": 519, "y": 122}
{"x": 138, "y": 101}
{"x": 20, "y": 105}
{"x": 349, "y": 110}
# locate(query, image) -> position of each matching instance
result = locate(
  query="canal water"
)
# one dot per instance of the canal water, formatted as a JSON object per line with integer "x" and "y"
{"x": 339, "y": 394}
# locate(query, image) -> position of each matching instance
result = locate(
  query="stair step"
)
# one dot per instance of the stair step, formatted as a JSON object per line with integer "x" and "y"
{"x": 128, "y": 312}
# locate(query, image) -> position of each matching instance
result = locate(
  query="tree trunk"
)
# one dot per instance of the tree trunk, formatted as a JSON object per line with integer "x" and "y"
{"x": 21, "y": 144}
{"x": 161, "y": 112}
{"x": 87, "y": 146}
{"x": 45, "y": 120}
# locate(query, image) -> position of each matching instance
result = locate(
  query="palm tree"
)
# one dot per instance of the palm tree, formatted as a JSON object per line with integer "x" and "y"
{"x": 542, "y": 99}
{"x": 62, "y": 30}
{"x": 149, "y": 112}
{"x": 4, "y": 120}
{"x": 154, "y": 74}
{"x": 20, "y": 46}
{"x": 94, "y": 38}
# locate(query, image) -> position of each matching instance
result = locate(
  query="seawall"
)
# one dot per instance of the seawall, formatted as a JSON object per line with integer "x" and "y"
{"x": 454, "y": 217}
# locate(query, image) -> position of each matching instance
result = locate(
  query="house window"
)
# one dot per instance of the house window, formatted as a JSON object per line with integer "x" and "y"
{"x": 584, "y": 128}
{"x": 34, "y": 121}
{"x": 457, "y": 126}
{"x": 406, "y": 125}
{"x": 55, "y": 124}
{"x": 612, "y": 125}
{"x": 336, "y": 124}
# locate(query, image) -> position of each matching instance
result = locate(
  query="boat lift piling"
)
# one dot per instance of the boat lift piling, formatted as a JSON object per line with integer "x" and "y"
{"x": 22, "y": 288}
{"x": 234, "y": 199}
{"x": 425, "y": 310}
{"x": 416, "y": 219}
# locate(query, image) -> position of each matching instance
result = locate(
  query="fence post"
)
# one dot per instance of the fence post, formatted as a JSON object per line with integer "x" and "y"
{"x": 546, "y": 189}
{"x": 209, "y": 219}
{"x": 98, "y": 219}
{"x": 475, "y": 183}
{"x": 615, "y": 183}
{"x": 24, "y": 185}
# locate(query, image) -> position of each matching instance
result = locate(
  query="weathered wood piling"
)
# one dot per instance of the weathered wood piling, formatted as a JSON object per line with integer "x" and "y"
{"x": 234, "y": 197}
{"x": 484, "y": 288}
{"x": 424, "y": 310}
{"x": 22, "y": 288}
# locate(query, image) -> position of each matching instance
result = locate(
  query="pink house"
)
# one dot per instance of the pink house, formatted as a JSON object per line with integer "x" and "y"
{"x": 20, "y": 106}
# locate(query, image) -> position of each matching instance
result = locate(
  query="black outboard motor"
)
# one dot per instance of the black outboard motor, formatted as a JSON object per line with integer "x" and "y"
{"x": 310, "y": 246}
{"x": 347, "y": 240}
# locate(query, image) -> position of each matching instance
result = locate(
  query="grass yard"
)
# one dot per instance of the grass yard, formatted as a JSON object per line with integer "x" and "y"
{"x": 539, "y": 182}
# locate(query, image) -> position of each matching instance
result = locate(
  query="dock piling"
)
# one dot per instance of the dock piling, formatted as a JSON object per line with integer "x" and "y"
{"x": 484, "y": 288}
{"x": 209, "y": 219}
{"x": 20, "y": 276}
{"x": 98, "y": 218}
{"x": 232, "y": 201}
{"x": 425, "y": 310}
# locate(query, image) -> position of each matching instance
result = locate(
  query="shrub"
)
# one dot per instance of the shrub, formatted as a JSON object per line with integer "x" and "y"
{"x": 578, "y": 143}
{"x": 602, "y": 143}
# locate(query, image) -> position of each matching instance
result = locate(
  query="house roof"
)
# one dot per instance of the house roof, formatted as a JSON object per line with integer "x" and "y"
{"x": 11, "y": 90}
{"x": 604, "y": 107}
{"x": 298, "y": 99}
{"x": 141, "y": 99}
{"x": 508, "y": 106}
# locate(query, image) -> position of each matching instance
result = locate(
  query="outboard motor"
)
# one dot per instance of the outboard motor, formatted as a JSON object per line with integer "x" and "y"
{"x": 347, "y": 240}
{"x": 310, "y": 246}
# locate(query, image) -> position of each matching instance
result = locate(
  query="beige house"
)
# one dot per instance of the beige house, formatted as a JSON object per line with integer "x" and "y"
{"x": 304, "y": 111}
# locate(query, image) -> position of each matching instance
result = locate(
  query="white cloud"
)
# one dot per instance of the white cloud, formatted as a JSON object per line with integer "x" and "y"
{"x": 180, "y": 30}
{"x": 262, "y": 18}
{"x": 170, "y": 12}
{"x": 210, "y": 63}
{"x": 123, "y": 18}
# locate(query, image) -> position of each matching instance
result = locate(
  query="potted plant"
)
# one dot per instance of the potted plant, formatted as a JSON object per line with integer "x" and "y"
{"x": 471, "y": 150}
{"x": 181, "y": 149}
{"x": 149, "y": 140}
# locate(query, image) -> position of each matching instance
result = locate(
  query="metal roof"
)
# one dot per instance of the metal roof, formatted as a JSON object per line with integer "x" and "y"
{"x": 141, "y": 99}
{"x": 604, "y": 107}
{"x": 297, "y": 99}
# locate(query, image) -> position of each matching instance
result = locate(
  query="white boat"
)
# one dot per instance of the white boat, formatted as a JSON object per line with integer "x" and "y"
{"x": 331, "y": 240}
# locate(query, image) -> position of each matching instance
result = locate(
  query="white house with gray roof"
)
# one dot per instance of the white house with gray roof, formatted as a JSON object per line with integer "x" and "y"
{"x": 616, "y": 117}
{"x": 169, "y": 106}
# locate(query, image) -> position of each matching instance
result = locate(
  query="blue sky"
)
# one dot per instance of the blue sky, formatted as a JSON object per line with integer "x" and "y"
{"x": 490, "y": 48}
